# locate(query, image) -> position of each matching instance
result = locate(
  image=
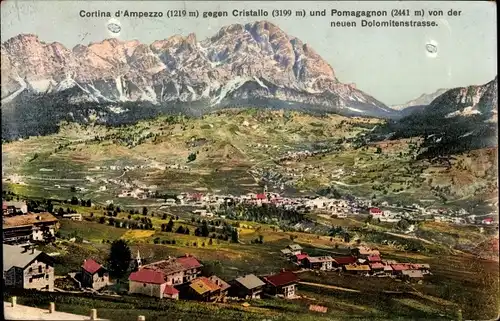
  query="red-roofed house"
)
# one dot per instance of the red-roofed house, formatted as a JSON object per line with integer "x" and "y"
{"x": 374, "y": 258}
{"x": 377, "y": 267}
{"x": 299, "y": 258}
{"x": 93, "y": 275}
{"x": 192, "y": 267}
{"x": 374, "y": 211}
{"x": 341, "y": 261}
{"x": 261, "y": 196}
{"x": 399, "y": 268}
{"x": 151, "y": 283}
{"x": 281, "y": 284}
{"x": 487, "y": 221}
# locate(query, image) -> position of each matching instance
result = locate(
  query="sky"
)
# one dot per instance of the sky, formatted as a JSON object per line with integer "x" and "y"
{"x": 391, "y": 64}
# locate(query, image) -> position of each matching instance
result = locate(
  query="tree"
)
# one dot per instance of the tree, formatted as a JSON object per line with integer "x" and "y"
{"x": 369, "y": 219}
{"x": 234, "y": 236}
{"x": 379, "y": 150}
{"x": 403, "y": 224}
{"x": 119, "y": 258}
{"x": 60, "y": 211}
{"x": 74, "y": 201}
{"x": 347, "y": 238}
{"x": 261, "y": 239}
{"x": 156, "y": 240}
{"x": 186, "y": 231}
{"x": 180, "y": 230}
{"x": 170, "y": 226}
{"x": 102, "y": 220}
{"x": 72, "y": 189}
{"x": 191, "y": 157}
{"x": 210, "y": 242}
{"x": 144, "y": 211}
{"x": 204, "y": 229}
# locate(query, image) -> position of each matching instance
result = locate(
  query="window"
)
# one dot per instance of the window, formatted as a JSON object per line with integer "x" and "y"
{"x": 30, "y": 270}
{"x": 47, "y": 266}
{"x": 47, "y": 276}
{"x": 39, "y": 269}
{"x": 31, "y": 280}
{"x": 144, "y": 284}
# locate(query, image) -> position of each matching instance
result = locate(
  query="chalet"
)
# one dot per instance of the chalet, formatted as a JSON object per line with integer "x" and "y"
{"x": 93, "y": 275}
{"x": 151, "y": 283}
{"x": 324, "y": 263}
{"x": 27, "y": 268}
{"x": 341, "y": 261}
{"x": 204, "y": 289}
{"x": 192, "y": 267}
{"x": 248, "y": 286}
{"x": 12, "y": 208}
{"x": 364, "y": 252}
{"x": 282, "y": 284}
{"x": 29, "y": 227}
{"x": 224, "y": 286}
{"x": 356, "y": 269}
{"x": 412, "y": 275}
{"x": 295, "y": 249}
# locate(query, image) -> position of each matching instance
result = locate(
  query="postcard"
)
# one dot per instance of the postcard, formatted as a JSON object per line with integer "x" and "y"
{"x": 249, "y": 160}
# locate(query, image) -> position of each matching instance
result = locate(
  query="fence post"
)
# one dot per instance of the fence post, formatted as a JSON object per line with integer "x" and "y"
{"x": 13, "y": 301}
{"x": 141, "y": 318}
{"x": 52, "y": 307}
{"x": 93, "y": 314}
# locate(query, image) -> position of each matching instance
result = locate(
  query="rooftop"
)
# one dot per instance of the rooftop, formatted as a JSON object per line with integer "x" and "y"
{"x": 203, "y": 285}
{"x": 147, "y": 276}
{"x": 18, "y": 257}
{"x": 91, "y": 266}
{"x": 220, "y": 282}
{"x": 351, "y": 267}
{"x": 319, "y": 259}
{"x": 282, "y": 278}
{"x": 28, "y": 219}
{"x": 250, "y": 281}
{"x": 295, "y": 247}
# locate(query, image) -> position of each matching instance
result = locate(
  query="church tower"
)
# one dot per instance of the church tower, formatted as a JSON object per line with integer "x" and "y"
{"x": 138, "y": 261}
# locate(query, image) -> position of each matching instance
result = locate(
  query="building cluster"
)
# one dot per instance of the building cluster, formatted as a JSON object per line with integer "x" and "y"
{"x": 181, "y": 278}
{"x": 22, "y": 227}
{"x": 362, "y": 261}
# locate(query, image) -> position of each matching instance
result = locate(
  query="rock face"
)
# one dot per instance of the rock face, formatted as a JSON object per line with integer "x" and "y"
{"x": 256, "y": 64}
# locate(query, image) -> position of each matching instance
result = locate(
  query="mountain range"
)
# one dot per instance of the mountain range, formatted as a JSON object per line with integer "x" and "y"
{"x": 116, "y": 82}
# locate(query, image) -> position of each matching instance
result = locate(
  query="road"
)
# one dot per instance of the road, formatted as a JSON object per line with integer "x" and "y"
{"x": 326, "y": 286}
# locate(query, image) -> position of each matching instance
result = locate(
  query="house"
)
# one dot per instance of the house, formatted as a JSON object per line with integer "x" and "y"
{"x": 151, "y": 283}
{"x": 299, "y": 258}
{"x": 397, "y": 269}
{"x": 356, "y": 269}
{"x": 377, "y": 268}
{"x": 487, "y": 221}
{"x": 192, "y": 267}
{"x": 12, "y": 207}
{"x": 177, "y": 270}
{"x": 73, "y": 217}
{"x": 412, "y": 275}
{"x": 376, "y": 212}
{"x": 93, "y": 275}
{"x": 204, "y": 289}
{"x": 224, "y": 286}
{"x": 27, "y": 268}
{"x": 364, "y": 252}
{"x": 248, "y": 286}
{"x": 286, "y": 252}
{"x": 341, "y": 261}
{"x": 294, "y": 249}
{"x": 374, "y": 258}
{"x": 324, "y": 263}
{"x": 29, "y": 227}
{"x": 281, "y": 284}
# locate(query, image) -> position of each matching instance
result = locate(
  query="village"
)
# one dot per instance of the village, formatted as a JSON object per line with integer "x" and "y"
{"x": 182, "y": 277}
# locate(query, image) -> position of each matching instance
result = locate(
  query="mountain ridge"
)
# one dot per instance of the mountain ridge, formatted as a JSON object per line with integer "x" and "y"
{"x": 182, "y": 69}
